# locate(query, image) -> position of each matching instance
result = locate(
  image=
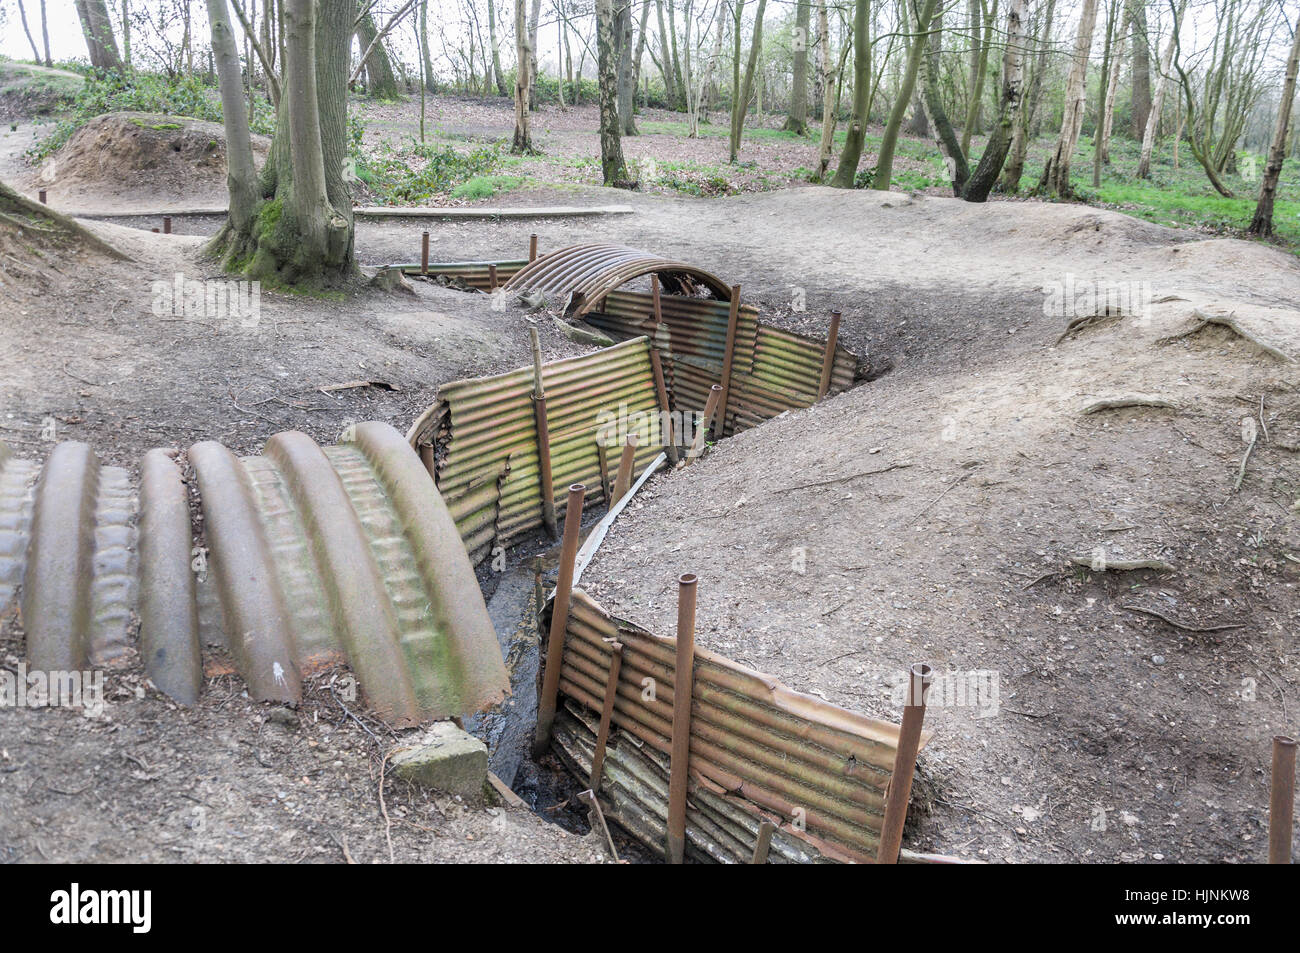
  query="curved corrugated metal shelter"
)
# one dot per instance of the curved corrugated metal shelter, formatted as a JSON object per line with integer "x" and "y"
{"x": 586, "y": 273}
{"x": 306, "y": 557}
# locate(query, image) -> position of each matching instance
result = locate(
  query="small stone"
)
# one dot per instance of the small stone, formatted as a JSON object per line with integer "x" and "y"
{"x": 1157, "y": 660}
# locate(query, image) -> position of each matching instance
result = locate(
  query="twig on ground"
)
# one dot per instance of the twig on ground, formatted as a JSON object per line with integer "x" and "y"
{"x": 1121, "y": 565}
{"x": 1245, "y": 458}
{"x": 383, "y": 808}
{"x": 843, "y": 479}
{"x": 1127, "y": 400}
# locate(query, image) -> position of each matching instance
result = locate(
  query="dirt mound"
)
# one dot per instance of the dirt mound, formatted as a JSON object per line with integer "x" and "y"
{"x": 150, "y": 158}
{"x": 27, "y": 91}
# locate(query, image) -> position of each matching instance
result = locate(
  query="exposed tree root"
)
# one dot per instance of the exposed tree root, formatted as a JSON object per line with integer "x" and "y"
{"x": 1229, "y": 322}
{"x": 1127, "y": 400}
{"x": 1106, "y": 564}
{"x": 1155, "y": 613}
{"x": 1088, "y": 321}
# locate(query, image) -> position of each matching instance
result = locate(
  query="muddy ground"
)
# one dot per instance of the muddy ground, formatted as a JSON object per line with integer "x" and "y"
{"x": 929, "y": 514}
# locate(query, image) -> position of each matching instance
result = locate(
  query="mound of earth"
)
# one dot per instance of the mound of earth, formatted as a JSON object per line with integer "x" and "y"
{"x": 143, "y": 159}
{"x": 27, "y": 90}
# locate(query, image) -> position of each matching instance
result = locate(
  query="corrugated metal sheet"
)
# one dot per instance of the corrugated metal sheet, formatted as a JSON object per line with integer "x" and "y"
{"x": 472, "y": 274}
{"x": 772, "y": 370}
{"x": 587, "y": 273}
{"x": 308, "y": 556}
{"x": 752, "y": 739}
{"x": 481, "y": 438}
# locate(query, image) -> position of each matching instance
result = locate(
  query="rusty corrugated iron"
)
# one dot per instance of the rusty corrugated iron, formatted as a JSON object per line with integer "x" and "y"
{"x": 772, "y": 370}
{"x": 754, "y": 743}
{"x": 584, "y": 274}
{"x": 472, "y": 274}
{"x": 308, "y": 556}
{"x": 480, "y": 438}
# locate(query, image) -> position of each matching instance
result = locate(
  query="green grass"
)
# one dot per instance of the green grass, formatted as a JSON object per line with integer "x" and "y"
{"x": 486, "y": 186}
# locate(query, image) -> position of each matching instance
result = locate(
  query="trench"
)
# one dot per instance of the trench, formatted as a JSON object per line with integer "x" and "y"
{"x": 479, "y": 445}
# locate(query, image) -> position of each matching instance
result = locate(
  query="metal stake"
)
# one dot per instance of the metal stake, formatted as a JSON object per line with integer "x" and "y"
{"x": 900, "y": 782}
{"x": 545, "y": 479}
{"x": 424, "y": 253}
{"x": 728, "y": 353}
{"x": 679, "y": 761}
{"x": 702, "y": 432}
{"x": 1281, "y": 807}
{"x": 606, "y": 713}
{"x": 626, "y": 464}
{"x": 828, "y": 359}
{"x": 764, "y": 842}
{"x": 549, "y": 697}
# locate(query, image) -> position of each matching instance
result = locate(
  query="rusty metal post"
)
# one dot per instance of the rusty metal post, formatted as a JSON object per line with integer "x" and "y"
{"x": 654, "y": 297}
{"x": 764, "y": 842}
{"x": 41, "y": 194}
{"x": 900, "y": 782}
{"x": 167, "y": 224}
{"x": 546, "y": 481}
{"x": 702, "y": 432}
{"x": 683, "y": 678}
{"x": 532, "y": 247}
{"x": 728, "y": 355}
{"x": 1281, "y": 807}
{"x": 626, "y": 464}
{"x": 492, "y": 278}
{"x": 828, "y": 360}
{"x": 667, "y": 432}
{"x": 606, "y": 713}
{"x": 424, "y": 253}
{"x": 549, "y": 697}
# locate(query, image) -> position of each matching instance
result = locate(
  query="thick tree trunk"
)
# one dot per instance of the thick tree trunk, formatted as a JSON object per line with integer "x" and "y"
{"x": 381, "y": 82}
{"x": 847, "y": 170}
{"x": 1141, "y": 68}
{"x": 612, "y": 166}
{"x": 98, "y": 31}
{"x": 826, "y": 146}
{"x": 1158, "y": 102}
{"x": 797, "y": 120}
{"x": 740, "y": 106}
{"x": 1056, "y": 174}
{"x": 301, "y": 231}
{"x": 1262, "y": 222}
{"x": 498, "y": 77}
{"x": 523, "y": 141}
{"x": 1015, "y": 166}
{"x": 889, "y": 141}
{"x": 1011, "y": 101}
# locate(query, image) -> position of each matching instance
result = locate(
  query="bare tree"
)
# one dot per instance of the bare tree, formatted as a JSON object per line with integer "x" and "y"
{"x": 797, "y": 120}
{"x": 523, "y": 141}
{"x": 1015, "y": 164}
{"x": 744, "y": 88}
{"x": 1141, "y": 67}
{"x": 498, "y": 77}
{"x": 22, "y": 15}
{"x": 857, "y": 125}
{"x": 1158, "y": 101}
{"x": 613, "y": 167}
{"x": 1262, "y": 221}
{"x": 1056, "y": 174}
{"x": 98, "y": 31}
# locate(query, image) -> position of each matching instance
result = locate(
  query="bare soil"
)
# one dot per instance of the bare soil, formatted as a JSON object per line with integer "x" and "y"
{"x": 951, "y": 492}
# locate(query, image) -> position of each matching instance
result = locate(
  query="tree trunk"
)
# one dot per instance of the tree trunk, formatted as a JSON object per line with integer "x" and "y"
{"x": 977, "y": 94}
{"x": 706, "y": 81}
{"x": 847, "y": 170}
{"x": 640, "y": 51}
{"x": 679, "y": 81}
{"x": 665, "y": 64}
{"x": 498, "y": 77}
{"x": 625, "y": 35}
{"x": 1112, "y": 93}
{"x": 523, "y": 141}
{"x": 953, "y": 152}
{"x": 381, "y": 82}
{"x": 797, "y": 120}
{"x": 889, "y": 141}
{"x": 1141, "y": 68}
{"x": 825, "y": 148}
{"x": 22, "y": 15}
{"x": 241, "y": 173}
{"x": 98, "y": 31}
{"x": 1262, "y": 221}
{"x": 1020, "y": 136}
{"x": 1158, "y": 102}
{"x": 1056, "y": 174}
{"x": 986, "y": 173}
{"x": 45, "y": 34}
{"x": 301, "y": 232}
{"x": 532, "y": 57}
{"x": 613, "y": 168}
{"x": 740, "y": 105}
{"x": 1103, "y": 86}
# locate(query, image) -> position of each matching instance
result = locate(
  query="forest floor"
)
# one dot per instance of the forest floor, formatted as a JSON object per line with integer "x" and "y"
{"x": 955, "y": 488}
